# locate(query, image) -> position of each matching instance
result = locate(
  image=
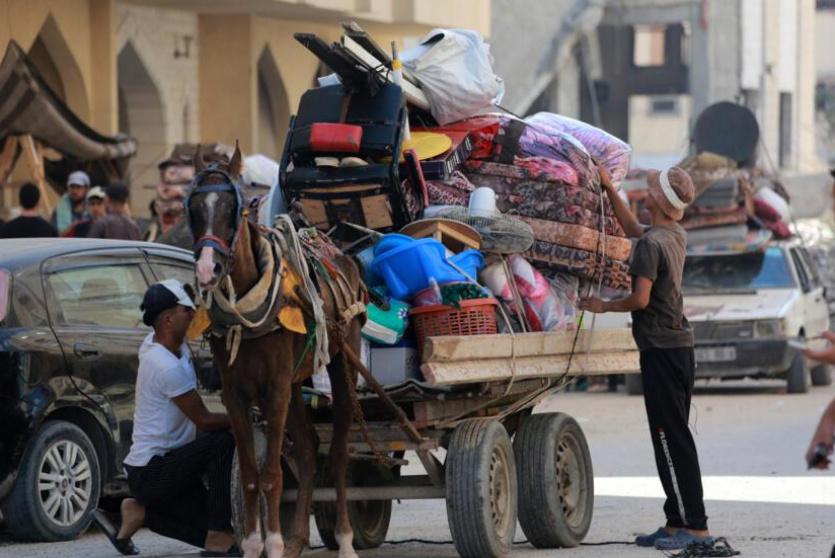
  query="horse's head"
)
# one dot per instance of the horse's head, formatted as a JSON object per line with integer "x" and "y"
{"x": 215, "y": 215}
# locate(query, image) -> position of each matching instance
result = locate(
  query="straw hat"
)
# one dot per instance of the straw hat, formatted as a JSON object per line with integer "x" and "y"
{"x": 672, "y": 190}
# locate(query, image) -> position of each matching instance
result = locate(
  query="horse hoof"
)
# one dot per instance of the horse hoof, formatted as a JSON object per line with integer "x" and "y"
{"x": 252, "y": 545}
{"x": 275, "y": 545}
{"x": 346, "y": 545}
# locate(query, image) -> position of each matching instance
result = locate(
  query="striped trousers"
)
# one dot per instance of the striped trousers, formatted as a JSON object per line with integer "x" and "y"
{"x": 177, "y": 503}
{"x": 668, "y": 376}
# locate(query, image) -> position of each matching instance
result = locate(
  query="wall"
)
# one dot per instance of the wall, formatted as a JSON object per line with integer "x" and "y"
{"x": 658, "y": 140}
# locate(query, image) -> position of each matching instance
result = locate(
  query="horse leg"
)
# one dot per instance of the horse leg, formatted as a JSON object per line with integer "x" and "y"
{"x": 342, "y": 420}
{"x": 276, "y": 405}
{"x": 305, "y": 442}
{"x": 238, "y": 407}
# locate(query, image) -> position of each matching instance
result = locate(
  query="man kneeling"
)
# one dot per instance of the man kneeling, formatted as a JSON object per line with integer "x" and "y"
{"x": 168, "y": 460}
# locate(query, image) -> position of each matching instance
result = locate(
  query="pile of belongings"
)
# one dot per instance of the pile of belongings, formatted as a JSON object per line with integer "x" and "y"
{"x": 737, "y": 208}
{"x": 390, "y": 140}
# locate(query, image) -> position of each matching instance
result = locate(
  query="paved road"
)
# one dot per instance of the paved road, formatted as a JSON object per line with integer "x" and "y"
{"x": 751, "y": 437}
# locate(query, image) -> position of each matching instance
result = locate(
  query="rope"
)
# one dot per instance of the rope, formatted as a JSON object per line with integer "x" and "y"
{"x": 717, "y": 548}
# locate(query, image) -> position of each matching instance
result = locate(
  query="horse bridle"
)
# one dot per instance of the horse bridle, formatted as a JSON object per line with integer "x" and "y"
{"x": 231, "y": 185}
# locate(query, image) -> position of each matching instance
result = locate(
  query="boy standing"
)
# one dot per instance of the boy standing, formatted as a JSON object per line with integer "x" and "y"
{"x": 665, "y": 340}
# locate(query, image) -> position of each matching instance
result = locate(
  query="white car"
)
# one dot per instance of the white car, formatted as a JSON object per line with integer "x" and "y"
{"x": 746, "y": 308}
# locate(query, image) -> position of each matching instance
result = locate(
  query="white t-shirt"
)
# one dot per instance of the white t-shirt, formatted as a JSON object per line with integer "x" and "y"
{"x": 159, "y": 426}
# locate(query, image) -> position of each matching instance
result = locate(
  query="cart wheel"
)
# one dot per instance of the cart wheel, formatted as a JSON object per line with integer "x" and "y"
{"x": 286, "y": 511}
{"x": 481, "y": 489}
{"x": 556, "y": 482}
{"x": 369, "y": 518}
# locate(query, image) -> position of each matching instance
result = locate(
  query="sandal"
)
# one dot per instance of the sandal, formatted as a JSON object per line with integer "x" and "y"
{"x": 231, "y": 552}
{"x": 124, "y": 546}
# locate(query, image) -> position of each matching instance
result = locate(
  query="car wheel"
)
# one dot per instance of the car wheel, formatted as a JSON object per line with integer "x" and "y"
{"x": 797, "y": 377}
{"x": 57, "y": 487}
{"x": 822, "y": 375}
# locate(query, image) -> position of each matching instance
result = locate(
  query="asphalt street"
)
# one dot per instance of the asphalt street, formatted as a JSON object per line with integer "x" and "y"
{"x": 751, "y": 437}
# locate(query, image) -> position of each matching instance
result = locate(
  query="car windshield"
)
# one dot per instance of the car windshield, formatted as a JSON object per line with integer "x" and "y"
{"x": 738, "y": 272}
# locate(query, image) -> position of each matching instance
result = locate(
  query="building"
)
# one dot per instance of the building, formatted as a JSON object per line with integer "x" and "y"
{"x": 825, "y": 86}
{"x": 171, "y": 71}
{"x": 664, "y": 61}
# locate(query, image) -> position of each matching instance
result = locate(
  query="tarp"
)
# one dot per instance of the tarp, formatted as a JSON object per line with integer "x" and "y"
{"x": 29, "y": 106}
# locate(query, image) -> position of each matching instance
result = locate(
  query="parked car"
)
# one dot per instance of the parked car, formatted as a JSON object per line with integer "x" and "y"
{"x": 70, "y": 329}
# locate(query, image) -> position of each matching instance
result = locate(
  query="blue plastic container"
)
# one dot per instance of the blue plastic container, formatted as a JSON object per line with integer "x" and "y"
{"x": 407, "y": 268}
{"x": 470, "y": 261}
{"x": 390, "y": 242}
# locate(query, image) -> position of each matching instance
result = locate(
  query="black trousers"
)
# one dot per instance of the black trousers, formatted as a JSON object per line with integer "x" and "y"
{"x": 177, "y": 503}
{"x": 668, "y": 376}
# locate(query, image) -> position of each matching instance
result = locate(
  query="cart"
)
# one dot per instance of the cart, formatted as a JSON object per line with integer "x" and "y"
{"x": 481, "y": 447}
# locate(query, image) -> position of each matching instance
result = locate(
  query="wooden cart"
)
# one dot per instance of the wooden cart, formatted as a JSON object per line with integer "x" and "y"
{"x": 481, "y": 448}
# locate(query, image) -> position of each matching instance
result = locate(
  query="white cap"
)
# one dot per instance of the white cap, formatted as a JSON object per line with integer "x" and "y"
{"x": 78, "y": 177}
{"x": 96, "y": 192}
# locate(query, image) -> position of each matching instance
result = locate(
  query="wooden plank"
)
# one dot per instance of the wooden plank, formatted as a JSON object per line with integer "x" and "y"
{"x": 495, "y": 370}
{"x": 34, "y": 159}
{"x": 462, "y": 348}
{"x": 7, "y": 158}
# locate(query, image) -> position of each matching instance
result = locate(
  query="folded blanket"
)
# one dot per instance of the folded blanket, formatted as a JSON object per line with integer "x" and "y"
{"x": 578, "y": 236}
{"x": 735, "y": 217}
{"x": 584, "y": 264}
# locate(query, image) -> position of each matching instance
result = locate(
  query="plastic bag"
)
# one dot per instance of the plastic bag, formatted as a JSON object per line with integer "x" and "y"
{"x": 455, "y": 71}
{"x": 606, "y": 149}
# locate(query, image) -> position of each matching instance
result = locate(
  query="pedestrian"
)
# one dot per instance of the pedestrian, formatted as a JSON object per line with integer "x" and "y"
{"x": 167, "y": 459}
{"x": 665, "y": 341}
{"x": 30, "y": 224}
{"x": 72, "y": 207}
{"x": 96, "y": 209}
{"x": 117, "y": 224}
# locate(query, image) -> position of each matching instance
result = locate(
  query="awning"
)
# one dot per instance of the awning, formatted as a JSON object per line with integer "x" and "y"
{"x": 29, "y": 106}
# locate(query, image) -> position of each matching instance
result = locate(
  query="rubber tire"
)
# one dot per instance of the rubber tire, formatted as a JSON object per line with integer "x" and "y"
{"x": 634, "y": 384}
{"x": 22, "y": 511}
{"x": 469, "y": 508}
{"x": 541, "y": 514}
{"x": 369, "y": 518}
{"x": 797, "y": 377}
{"x": 822, "y": 375}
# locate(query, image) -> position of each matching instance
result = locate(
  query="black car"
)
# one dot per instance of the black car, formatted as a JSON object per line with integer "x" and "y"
{"x": 70, "y": 329}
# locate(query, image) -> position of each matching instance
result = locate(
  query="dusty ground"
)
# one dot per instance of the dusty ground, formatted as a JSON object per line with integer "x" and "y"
{"x": 751, "y": 437}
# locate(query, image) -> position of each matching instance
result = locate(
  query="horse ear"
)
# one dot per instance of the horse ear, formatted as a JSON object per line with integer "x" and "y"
{"x": 235, "y": 163}
{"x": 199, "y": 165}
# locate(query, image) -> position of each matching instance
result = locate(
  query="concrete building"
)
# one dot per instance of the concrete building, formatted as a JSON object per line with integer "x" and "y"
{"x": 825, "y": 86}
{"x": 170, "y": 71}
{"x": 664, "y": 61}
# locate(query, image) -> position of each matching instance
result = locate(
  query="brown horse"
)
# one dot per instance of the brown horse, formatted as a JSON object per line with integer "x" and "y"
{"x": 263, "y": 366}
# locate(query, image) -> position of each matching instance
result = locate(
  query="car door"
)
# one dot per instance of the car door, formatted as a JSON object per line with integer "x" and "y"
{"x": 170, "y": 264}
{"x": 815, "y": 311}
{"x": 818, "y": 315}
{"x": 94, "y": 311}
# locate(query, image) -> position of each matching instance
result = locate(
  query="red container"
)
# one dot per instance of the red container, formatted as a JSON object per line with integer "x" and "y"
{"x": 475, "y": 317}
{"x": 327, "y": 137}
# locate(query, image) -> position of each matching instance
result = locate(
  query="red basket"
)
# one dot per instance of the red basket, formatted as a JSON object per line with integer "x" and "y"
{"x": 475, "y": 317}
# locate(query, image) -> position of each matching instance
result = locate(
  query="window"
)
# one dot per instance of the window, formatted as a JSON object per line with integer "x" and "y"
{"x": 802, "y": 274}
{"x": 810, "y": 268}
{"x": 785, "y": 129}
{"x": 737, "y": 272}
{"x": 166, "y": 269}
{"x": 663, "y": 106}
{"x": 100, "y": 295}
{"x": 648, "y": 49}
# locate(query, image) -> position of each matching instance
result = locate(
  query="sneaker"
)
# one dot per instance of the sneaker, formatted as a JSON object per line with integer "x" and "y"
{"x": 649, "y": 540}
{"x": 682, "y": 539}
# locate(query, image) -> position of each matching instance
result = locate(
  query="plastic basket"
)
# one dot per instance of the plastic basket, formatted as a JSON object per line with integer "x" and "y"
{"x": 475, "y": 317}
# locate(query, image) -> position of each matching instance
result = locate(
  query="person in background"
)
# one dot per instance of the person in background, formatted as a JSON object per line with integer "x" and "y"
{"x": 30, "y": 224}
{"x": 72, "y": 207}
{"x": 96, "y": 209}
{"x": 665, "y": 340}
{"x": 117, "y": 224}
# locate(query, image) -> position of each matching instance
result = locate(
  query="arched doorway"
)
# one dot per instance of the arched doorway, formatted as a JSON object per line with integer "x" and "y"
{"x": 53, "y": 58}
{"x": 273, "y": 107}
{"x": 141, "y": 115}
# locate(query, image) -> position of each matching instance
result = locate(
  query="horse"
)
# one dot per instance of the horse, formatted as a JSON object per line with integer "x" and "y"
{"x": 263, "y": 360}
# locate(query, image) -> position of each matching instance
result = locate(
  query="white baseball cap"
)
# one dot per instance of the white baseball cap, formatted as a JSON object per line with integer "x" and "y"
{"x": 96, "y": 192}
{"x": 163, "y": 296}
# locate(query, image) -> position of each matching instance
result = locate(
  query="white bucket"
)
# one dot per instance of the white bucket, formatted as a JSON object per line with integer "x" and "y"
{"x": 482, "y": 202}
